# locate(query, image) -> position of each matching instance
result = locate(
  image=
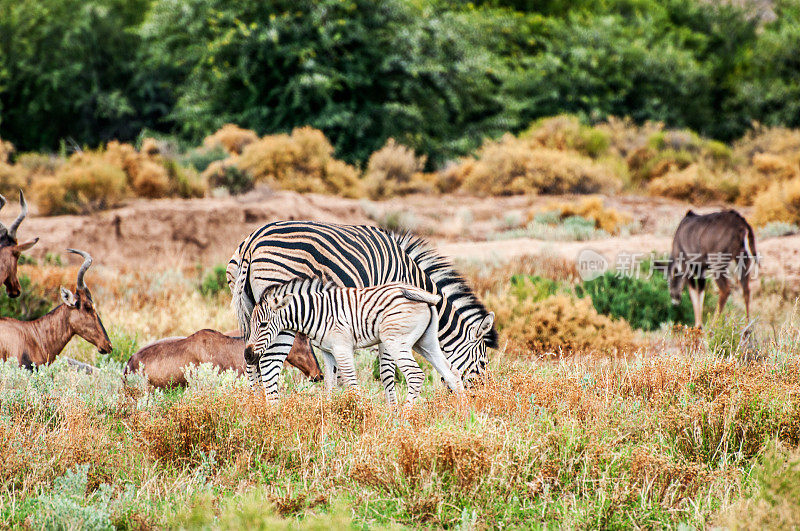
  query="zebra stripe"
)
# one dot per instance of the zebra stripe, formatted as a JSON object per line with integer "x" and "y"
{"x": 359, "y": 256}
{"x": 396, "y": 316}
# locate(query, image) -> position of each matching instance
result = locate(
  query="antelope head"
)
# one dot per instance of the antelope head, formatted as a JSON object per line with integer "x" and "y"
{"x": 83, "y": 317}
{"x": 10, "y": 249}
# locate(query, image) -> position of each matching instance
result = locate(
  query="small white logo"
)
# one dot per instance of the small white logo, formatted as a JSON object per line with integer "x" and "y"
{"x": 591, "y": 264}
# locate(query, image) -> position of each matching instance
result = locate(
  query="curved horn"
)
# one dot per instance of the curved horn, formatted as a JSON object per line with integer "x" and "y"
{"x": 14, "y": 226}
{"x": 3, "y": 229}
{"x": 87, "y": 262}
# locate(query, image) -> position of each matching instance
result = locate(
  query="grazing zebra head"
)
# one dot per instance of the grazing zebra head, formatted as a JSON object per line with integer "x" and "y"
{"x": 466, "y": 328}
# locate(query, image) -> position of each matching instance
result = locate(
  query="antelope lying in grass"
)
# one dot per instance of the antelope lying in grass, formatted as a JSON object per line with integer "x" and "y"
{"x": 39, "y": 342}
{"x": 10, "y": 249}
{"x": 165, "y": 361}
{"x": 397, "y": 317}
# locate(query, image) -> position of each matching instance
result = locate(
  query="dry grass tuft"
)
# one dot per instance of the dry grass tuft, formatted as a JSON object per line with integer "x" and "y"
{"x": 591, "y": 208}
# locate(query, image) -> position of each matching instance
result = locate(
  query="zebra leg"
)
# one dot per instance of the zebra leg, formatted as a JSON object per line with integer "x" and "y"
{"x": 271, "y": 362}
{"x": 253, "y": 375}
{"x": 330, "y": 370}
{"x": 402, "y": 355}
{"x": 387, "y": 375}
{"x": 428, "y": 346}
{"x": 345, "y": 361}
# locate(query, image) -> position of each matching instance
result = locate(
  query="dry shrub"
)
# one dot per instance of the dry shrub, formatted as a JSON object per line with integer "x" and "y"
{"x": 626, "y": 137}
{"x": 518, "y": 166}
{"x": 695, "y": 183}
{"x": 452, "y": 177}
{"x": 779, "y": 202}
{"x": 775, "y": 140}
{"x": 151, "y": 147}
{"x": 85, "y": 184}
{"x": 232, "y": 138}
{"x": 559, "y": 323}
{"x": 607, "y": 219}
{"x": 12, "y": 178}
{"x": 6, "y": 150}
{"x": 301, "y": 162}
{"x": 391, "y": 171}
{"x": 565, "y": 132}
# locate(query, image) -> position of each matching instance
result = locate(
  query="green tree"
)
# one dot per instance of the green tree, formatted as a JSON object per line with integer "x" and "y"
{"x": 360, "y": 70}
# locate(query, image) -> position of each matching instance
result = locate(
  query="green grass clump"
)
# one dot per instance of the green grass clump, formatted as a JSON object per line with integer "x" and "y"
{"x": 643, "y": 302}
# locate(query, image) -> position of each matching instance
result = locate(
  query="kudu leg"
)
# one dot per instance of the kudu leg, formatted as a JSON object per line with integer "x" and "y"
{"x": 696, "y": 288}
{"x": 724, "y": 286}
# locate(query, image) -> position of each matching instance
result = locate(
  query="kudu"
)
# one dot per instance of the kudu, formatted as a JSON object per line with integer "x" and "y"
{"x": 705, "y": 245}
{"x": 10, "y": 249}
{"x": 39, "y": 342}
{"x": 165, "y": 361}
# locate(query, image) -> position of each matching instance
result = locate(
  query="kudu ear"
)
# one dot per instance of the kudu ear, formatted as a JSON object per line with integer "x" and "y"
{"x": 68, "y": 297}
{"x": 27, "y": 245}
{"x": 484, "y": 326}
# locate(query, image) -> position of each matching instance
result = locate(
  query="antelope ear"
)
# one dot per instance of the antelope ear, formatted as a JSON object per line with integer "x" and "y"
{"x": 484, "y": 326}
{"x": 27, "y": 245}
{"x": 68, "y": 297}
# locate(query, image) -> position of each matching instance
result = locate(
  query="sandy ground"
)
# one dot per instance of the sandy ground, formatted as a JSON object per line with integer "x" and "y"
{"x": 171, "y": 233}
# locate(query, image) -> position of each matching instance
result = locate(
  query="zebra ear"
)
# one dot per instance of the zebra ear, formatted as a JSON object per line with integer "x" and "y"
{"x": 484, "y": 326}
{"x": 276, "y": 304}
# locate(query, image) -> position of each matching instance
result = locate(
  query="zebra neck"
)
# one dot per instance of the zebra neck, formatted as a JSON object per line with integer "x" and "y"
{"x": 312, "y": 318}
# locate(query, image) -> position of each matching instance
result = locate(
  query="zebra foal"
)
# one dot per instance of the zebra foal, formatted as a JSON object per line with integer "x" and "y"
{"x": 397, "y": 317}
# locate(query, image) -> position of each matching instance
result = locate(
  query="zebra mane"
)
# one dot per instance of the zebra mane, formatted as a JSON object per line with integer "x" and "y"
{"x": 300, "y": 285}
{"x": 450, "y": 283}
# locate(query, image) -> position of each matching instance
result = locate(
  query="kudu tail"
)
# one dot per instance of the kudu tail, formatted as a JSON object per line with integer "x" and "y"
{"x": 752, "y": 260}
{"x": 241, "y": 302}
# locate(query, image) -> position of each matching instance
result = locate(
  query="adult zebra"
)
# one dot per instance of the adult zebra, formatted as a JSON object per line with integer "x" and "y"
{"x": 356, "y": 256}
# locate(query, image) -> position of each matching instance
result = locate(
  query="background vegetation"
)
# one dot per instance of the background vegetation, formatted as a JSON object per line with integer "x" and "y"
{"x": 435, "y": 75}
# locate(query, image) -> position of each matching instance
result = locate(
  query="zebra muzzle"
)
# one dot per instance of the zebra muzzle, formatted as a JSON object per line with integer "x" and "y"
{"x": 250, "y": 355}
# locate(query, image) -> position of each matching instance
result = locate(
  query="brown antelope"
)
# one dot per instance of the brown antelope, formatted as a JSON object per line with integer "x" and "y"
{"x": 165, "y": 361}
{"x": 39, "y": 342}
{"x": 705, "y": 245}
{"x": 10, "y": 249}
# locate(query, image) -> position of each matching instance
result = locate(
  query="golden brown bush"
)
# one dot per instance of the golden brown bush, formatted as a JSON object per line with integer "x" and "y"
{"x": 12, "y": 178}
{"x": 232, "y": 138}
{"x": 392, "y": 170}
{"x": 565, "y": 132}
{"x": 6, "y": 150}
{"x": 151, "y": 147}
{"x": 559, "y": 323}
{"x": 86, "y": 184}
{"x": 696, "y": 183}
{"x": 779, "y": 202}
{"x": 150, "y": 180}
{"x": 301, "y": 162}
{"x": 516, "y": 166}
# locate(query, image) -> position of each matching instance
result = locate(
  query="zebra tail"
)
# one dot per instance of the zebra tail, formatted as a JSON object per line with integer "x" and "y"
{"x": 420, "y": 295}
{"x": 241, "y": 302}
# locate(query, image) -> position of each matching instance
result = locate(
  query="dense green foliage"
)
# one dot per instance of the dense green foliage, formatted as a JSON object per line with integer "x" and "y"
{"x": 30, "y": 305}
{"x": 643, "y": 302}
{"x": 214, "y": 282}
{"x": 437, "y": 75}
